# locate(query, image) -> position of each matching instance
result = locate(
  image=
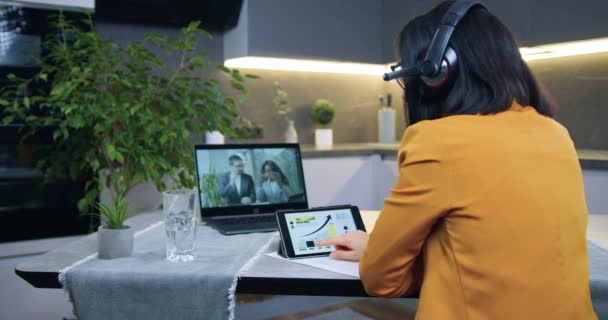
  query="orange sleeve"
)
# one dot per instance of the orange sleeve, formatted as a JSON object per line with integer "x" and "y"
{"x": 389, "y": 266}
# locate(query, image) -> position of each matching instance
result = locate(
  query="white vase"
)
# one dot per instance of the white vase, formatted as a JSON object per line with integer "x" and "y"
{"x": 291, "y": 135}
{"x": 324, "y": 138}
{"x": 114, "y": 243}
{"x": 214, "y": 137}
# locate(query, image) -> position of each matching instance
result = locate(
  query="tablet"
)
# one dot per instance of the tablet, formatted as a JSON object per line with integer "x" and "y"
{"x": 301, "y": 228}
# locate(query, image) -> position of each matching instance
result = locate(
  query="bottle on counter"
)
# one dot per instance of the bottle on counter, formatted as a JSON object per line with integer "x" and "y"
{"x": 386, "y": 120}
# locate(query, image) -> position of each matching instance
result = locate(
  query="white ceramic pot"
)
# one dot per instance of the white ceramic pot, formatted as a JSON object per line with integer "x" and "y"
{"x": 114, "y": 243}
{"x": 324, "y": 138}
{"x": 214, "y": 137}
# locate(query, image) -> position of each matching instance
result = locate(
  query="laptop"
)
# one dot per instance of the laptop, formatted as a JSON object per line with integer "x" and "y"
{"x": 241, "y": 186}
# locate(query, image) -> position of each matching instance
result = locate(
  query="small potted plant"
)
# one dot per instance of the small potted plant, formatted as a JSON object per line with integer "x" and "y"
{"x": 115, "y": 239}
{"x": 323, "y": 112}
{"x": 281, "y": 101}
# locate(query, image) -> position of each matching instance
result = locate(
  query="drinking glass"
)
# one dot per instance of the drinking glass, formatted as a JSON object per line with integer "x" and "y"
{"x": 180, "y": 224}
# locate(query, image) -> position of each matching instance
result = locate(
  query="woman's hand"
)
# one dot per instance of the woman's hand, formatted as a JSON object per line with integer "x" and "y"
{"x": 349, "y": 246}
{"x": 263, "y": 178}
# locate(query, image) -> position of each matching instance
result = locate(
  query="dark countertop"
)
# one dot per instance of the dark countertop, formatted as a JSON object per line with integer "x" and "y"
{"x": 590, "y": 159}
{"x": 593, "y": 159}
{"x": 350, "y": 150}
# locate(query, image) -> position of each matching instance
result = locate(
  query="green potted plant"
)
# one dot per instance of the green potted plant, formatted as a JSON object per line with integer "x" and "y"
{"x": 124, "y": 115}
{"x": 281, "y": 102}
{"x": 322, "y": 114}
{"x": 114, "y": 238}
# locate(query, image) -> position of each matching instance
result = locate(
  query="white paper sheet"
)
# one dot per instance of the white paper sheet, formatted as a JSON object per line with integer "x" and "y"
{"x": 348, "y": 268}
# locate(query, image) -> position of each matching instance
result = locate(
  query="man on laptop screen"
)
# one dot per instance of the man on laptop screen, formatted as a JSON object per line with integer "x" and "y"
{"x": 236, "y": 187}
{"x": 241, "y": 186}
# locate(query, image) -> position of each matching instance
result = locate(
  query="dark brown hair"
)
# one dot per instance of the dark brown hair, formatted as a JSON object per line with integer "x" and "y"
{"x": 491, "y": 72}
{"x": 275, "y": 168}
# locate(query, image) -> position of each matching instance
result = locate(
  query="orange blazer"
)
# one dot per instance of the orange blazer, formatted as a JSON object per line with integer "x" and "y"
{"x": 487, "y": 220}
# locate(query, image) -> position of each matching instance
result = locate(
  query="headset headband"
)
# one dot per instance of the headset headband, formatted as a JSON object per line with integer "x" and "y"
{"x": 441, "y": 39}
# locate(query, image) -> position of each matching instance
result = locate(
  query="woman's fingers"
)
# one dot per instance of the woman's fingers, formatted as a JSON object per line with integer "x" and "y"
{"x": 337, "y": 241}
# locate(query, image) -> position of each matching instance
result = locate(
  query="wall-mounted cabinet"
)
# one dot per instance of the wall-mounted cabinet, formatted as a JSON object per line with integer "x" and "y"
{"x": 346, "y": 30}
{"x": 534, "y": 22}
{"x": 566, "y": 20}
{"x": 364, "y": 30}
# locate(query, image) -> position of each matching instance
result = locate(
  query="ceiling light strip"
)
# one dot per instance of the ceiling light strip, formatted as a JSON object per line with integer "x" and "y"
{"x": 306, "y": 65}
{"x": 565, "y": 49}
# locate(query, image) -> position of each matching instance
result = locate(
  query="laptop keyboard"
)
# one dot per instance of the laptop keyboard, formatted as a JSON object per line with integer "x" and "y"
{"x": 249, "y": 220}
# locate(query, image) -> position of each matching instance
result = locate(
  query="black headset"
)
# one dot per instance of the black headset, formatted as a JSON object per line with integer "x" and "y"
{"x": 438, "y": 69}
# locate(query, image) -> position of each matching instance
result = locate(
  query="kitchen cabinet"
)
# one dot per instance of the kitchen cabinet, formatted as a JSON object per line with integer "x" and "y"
{"x": 532, "y": 22}
{"x": 347, "y": 30}
{"x": 558, "y": 21}
{"x": 365, "y": 30}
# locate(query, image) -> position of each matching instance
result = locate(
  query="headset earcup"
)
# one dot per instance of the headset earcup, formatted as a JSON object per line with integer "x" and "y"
{"x": 438, "y": 86}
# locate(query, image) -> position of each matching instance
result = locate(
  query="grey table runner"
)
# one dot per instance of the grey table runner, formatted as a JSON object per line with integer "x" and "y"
{"x": 147, "y": 286}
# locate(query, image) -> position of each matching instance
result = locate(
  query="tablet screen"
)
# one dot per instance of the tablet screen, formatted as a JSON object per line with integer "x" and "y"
{"x": 307, "y": 227}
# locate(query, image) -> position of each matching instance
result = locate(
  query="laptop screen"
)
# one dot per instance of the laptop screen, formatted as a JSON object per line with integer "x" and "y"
{"x": 244, "y": 179}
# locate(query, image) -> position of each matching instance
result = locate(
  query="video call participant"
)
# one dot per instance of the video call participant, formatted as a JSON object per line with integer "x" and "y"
{"x": 236, "y": 186}
{"x": 274, "y": 186}
{"x": 487, "y": 218}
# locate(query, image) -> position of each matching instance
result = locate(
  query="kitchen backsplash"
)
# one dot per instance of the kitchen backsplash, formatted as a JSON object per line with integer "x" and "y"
{"x": 355, "y": 96}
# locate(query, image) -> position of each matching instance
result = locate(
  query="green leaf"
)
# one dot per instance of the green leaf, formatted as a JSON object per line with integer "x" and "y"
{"x": 95, "y": 164}
{"x": 111, "y": 152}
{"x": 191, "y": 27}
{"x": 83, "y": 204}
{"x": 223, "y": 68}
{"x": 237, "y": 75}
{"x": 65, "y": 133}
{"x": 11, "y": 76}
{"x": 119, "y": 157}
{"x": 56, "y": 134}
{"x": 8, "y": 119}
{"x": 238, "y": 86}
{"x": 26, "y": 101}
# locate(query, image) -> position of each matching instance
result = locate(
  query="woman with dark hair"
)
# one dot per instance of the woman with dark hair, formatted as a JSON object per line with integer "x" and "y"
{"x": 487, "y": 219}
{"x": 274, "y": 186}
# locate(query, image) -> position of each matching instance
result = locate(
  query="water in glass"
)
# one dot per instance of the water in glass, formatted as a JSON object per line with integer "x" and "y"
{"x": 180, "y": 225}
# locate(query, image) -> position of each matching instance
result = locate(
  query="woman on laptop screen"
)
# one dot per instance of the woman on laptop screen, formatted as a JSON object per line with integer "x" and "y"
{"x": 274, "y": 185}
